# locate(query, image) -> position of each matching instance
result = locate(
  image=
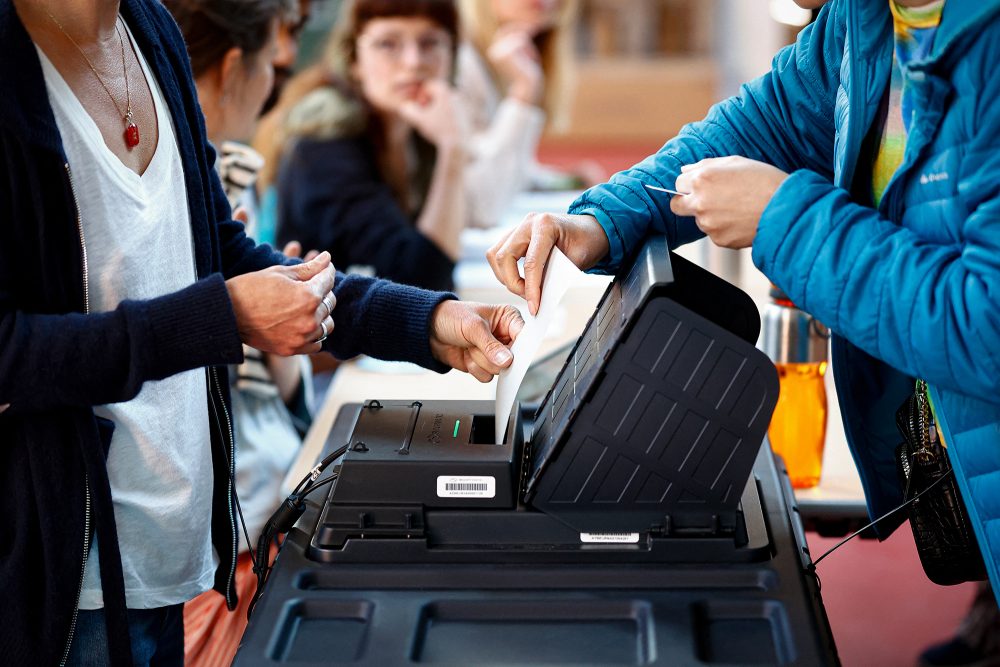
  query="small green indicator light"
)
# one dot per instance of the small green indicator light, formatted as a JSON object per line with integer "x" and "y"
{"x": 455, "y": 434}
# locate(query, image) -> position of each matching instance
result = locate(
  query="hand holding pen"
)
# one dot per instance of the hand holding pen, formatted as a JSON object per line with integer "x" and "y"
{"x": 725, "y": 196}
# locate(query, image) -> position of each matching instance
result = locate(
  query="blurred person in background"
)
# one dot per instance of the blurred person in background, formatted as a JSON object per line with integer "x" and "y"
{"x": 515, "y": 77}
{"x": 233, "y": 45}
{"x": 289, "y": 32}
{"x": 863, "y": 170}
{"x": 265, "y": 136}
{"x": 373, "y": 144}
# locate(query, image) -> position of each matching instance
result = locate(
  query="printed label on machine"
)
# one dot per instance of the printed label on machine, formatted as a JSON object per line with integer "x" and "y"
{"x": 609, "y": 538}
{"x": 450, "y": 486}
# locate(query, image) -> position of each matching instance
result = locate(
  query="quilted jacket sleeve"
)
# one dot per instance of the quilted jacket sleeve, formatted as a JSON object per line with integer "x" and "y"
{"x": 784, "y": 117}
{"x": 928, "y": 308}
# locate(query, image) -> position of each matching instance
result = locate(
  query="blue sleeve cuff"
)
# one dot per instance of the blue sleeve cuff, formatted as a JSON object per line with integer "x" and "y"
{"x": 787, "y": 206}
{"x": 616, "y": 249}
{"x": 627, "y": 214}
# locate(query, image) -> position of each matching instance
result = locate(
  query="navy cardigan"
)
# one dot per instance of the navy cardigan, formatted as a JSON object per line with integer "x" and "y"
{"x": 57, "y": 360}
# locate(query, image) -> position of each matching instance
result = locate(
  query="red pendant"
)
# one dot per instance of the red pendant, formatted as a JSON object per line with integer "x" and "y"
{"x": 131, "y": 135}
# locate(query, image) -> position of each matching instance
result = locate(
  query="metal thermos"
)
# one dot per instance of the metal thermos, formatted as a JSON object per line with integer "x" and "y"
{"x": 797, "y": 344}
{"x": 792, "y": 336}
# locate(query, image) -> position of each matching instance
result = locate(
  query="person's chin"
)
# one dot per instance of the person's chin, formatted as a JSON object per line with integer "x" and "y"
{"x": 542, "y": 24}
{"x": 387, "y": 107}
{"x": 409, "y": 92}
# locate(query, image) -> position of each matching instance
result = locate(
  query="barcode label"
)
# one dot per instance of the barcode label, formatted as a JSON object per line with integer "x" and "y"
{"x": 466, "y": 487}
{"x": 609, "y": 538}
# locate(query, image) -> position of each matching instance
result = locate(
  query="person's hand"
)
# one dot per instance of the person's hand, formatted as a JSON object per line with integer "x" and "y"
{"x": 437, "y": 114}
{"x": 515, "y": 57}
{"x": 285, "y": 309}
{"x": 294, "y": 249}
{"x": 473, "y": 337}
{"x": 727, "y": 197}
{"x": 580, "y": 237}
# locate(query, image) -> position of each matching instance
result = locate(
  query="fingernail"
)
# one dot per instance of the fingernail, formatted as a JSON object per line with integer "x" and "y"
{"x": 503, "y": 356}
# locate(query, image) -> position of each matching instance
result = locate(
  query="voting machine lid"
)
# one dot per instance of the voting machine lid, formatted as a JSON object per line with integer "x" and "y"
{"x": 659, "y": 411}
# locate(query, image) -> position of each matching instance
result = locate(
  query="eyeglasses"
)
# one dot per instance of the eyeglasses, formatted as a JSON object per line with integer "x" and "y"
{"x": 430, "y": 47}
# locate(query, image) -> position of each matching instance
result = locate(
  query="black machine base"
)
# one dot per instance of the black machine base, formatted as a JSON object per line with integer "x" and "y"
{"x": 691, "y": 612}
{"x": 389, "y": 504}
{"x": 633, "y": 518}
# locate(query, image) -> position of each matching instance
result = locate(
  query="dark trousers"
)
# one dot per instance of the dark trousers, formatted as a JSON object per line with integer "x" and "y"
{"x": 156, "y": 635}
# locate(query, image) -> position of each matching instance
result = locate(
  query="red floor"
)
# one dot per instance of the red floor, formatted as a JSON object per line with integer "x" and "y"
{"x": 610, "y": 159}
{"x": 882, "y": 609}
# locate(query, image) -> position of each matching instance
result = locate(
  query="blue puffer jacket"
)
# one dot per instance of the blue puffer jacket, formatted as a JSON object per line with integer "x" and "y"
{"x": 911, "y": 289}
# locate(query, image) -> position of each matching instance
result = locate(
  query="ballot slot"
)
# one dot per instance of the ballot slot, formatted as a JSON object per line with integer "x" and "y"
{"x": 482, "y": 431}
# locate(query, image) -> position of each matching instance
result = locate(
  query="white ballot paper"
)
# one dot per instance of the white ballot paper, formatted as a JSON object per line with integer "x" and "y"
{"x": 559, "y": 275}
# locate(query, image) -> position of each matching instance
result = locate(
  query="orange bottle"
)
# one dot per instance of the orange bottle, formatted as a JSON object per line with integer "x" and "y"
{"x": 797, "y": 343}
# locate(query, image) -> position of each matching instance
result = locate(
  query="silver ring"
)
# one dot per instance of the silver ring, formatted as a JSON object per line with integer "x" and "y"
{"x": 322, "y": 327}
{"x": 329, "y": 306}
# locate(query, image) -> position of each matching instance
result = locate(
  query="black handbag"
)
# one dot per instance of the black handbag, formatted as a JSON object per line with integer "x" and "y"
{"x": 946, "y": 542}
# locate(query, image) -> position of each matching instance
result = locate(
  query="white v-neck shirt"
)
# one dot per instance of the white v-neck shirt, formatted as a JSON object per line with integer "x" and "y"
{"x": 137, "y": 235}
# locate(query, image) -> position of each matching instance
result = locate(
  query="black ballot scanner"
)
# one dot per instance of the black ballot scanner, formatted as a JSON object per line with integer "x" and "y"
{"x": 633, "y": 518}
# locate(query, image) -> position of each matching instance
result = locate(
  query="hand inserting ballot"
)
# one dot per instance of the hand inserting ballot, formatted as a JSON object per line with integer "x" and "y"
{"x": 580, "y": 237}
{"x": 474, "y": 337}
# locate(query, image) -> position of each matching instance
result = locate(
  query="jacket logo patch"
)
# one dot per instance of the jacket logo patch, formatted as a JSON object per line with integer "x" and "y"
{"x": 933, "y": 178}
